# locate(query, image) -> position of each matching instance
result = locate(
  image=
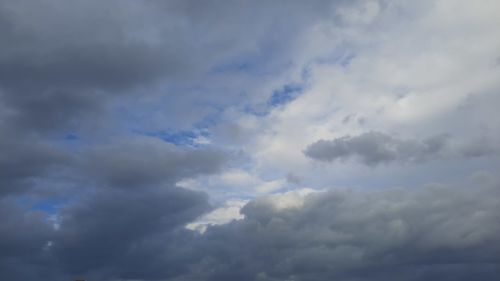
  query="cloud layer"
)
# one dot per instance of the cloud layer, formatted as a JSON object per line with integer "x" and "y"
{"x": 433, "y": 232}
{"x": 184, "y": 140}
{"x": 374, "y": 148}
{"x": 420, "y": 234}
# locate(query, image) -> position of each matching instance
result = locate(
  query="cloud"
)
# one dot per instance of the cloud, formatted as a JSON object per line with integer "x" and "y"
{"x": 373, "y": 148}
{"x": 432, "y": 232}
{"x": 144, "y": 161}
{"x": 24, "y": 159}
{"x": 23, "y": 239}
{"x": 128, "y": 234}
{"x": 240, "y": 89}
{"x": 108, "y": 234}
{"x": 135, "y": 162}
{"x": 405, "y": 234}
{"x": 58, "y": 65}
{"x": 61, "y": 63}
{"x": 229, "y": 211}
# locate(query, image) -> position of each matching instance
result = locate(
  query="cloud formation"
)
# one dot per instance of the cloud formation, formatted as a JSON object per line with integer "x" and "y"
{"x": 23, "y": 240}
{"x": 155, "y": 141}
{"x": 62, "y": 63}
{"x": 373, "y": 148}
{"x": 125, "y": 234}
{"x": 128, "y": 234}
{"x": 406, "y": 234}
{"x": 24, "y": 159}
{"x": 425, "y": 234}
{"x": 148, "y": 162}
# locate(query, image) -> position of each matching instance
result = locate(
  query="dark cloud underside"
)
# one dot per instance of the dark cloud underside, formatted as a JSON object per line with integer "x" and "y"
{"x": 429, "y": 234}
{"x": 373, "y": 148}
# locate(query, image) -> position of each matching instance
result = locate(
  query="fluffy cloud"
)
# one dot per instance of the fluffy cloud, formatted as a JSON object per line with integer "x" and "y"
{"x": 128, "y": 234}
{"x": 222, "y": 215}
{"x": 125, "y": 124}
{"x": 410, "y": 77}
{"x": 117, "y": 208}
{"x": 424, "y": 234}
{"x": 148, "y": 161}
{"x": 61, "y": 63}
{"x": 406, "y": 234}
{"x": 373, "y": 148}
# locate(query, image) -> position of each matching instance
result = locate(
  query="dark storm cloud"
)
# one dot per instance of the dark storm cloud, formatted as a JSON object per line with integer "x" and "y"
{"x": 23, "y": 159}
{"x": 148, "y": 161}
{"x": 373, "y": 148}
{"x": 23, "y": 240}
{"x": 61, "y": 61}
{"x": 128, "y": 234}
{"x": 431, "y": 233}
{"x": 65, "y": 64}
{"x": 104, "y": 233}
{"x": 135, "y": 162}
{"x": 426, "y": 234}
{"x": 112, "y": 233}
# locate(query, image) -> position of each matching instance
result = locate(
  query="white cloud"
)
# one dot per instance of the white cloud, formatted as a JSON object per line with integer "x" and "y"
{"x": 271, "y": 186}
{"x": 228, "y": 212}
{"x": 290, "y": 199}
{"x": 407, "y": 74}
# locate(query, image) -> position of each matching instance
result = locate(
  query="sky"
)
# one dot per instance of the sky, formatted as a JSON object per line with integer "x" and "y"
{"x": 249, "y": 140}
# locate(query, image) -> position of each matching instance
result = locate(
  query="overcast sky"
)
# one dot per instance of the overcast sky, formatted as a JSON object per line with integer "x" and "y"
{"x": 250, "y": 140}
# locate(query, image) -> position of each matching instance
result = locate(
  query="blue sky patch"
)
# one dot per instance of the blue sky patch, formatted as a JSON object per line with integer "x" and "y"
{"x": 180, "y": 138}
{"x": 284, "y": 95}
{"x": 71, "y": 137}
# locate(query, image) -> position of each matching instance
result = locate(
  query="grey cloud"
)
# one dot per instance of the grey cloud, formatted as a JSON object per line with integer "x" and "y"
{"x": 373, "y": 148}
{"x": 293, "y": 178}
{"x": 128, "y": 234}
{"x": 61, "y": 62}
{"x": 87, "y": 45}
{"x": 425, "y": 234}
{"x": 103, "y": 233}
{"x": 121, "y": 234}
{"x": 110, "y": 234}
{"x": 23, "y": 239}
{"x": 137, "y": 162}
{"x": 46, "y": 110}
{"x": 23, "y": 159}
{"x": 479, "y": 148}
{"x": 148, "y": 161}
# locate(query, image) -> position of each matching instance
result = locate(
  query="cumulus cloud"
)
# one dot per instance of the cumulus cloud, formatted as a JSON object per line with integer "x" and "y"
{"x": 148, "y": 161}
{"x": 124, "y": 234}
{"x": 373, "y": 148}
{"x": 424, "y": 234}
{"x": 240, "y": 89}
{"x": 229, "y": 211}
{"x": 56, "y": 69}
{"x": 406, "y": 234}
{"x": 61, "y": 63}
{"x": 24, "y": 159}
{"x": 24, "y": 236}
{"x": 128, "y": 234}
{"x": 120, "y": 210}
